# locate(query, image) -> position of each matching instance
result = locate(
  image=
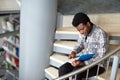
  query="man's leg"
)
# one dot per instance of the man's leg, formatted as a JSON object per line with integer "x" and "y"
{"x": 92, "y": 72}
{"x": 80, "y": 74}
{"x": 65, "y": 68}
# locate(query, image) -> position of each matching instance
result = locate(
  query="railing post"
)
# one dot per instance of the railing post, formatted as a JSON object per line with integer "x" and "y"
{"x": 114, "y": 68}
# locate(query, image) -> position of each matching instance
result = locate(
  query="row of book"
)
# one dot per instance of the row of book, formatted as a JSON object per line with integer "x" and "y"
{"x": 13, "y": 40}
{"x": 10, "y": 25}
{"x": 11, "y": 43}
{"x": 12, "y": 60}
{"x": 11, "y": 48}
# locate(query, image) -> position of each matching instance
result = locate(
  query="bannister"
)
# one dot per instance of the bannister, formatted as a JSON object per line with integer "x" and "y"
{"x": 89, "y": 66}
{"x": 6, "y": 34}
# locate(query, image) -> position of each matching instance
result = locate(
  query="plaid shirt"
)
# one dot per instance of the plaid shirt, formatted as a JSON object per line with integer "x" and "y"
{"x": 96, "y": 42}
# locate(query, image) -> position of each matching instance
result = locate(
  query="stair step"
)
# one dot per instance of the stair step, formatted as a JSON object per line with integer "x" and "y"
{"x": 68, "y": 33}
{"x": 51, "y": 73}
{"x": 67, "y": 30}
{"x": 58, "y": 59}
{"x": 100, "y": 19}
{"x": 64, "y": 46}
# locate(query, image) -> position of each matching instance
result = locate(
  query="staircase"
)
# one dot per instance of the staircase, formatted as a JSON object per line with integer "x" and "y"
{"x": 65, "y": 40}
{"x": 61, "y": 50}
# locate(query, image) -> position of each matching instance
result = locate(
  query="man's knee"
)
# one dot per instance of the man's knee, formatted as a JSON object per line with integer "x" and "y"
{"x": 65, "y": 68}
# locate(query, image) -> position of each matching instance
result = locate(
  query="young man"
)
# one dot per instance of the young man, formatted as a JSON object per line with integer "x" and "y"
{"x": 92, "y": 45}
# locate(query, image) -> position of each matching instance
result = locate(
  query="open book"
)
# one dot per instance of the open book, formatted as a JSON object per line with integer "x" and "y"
{"x": 82, "y": 58}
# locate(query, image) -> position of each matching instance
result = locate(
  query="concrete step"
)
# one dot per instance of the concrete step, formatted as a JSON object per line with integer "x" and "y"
{"x": 58, "y": 59}
{"x": 64, "y": 47}
{"x": 51, "y": 73}
{"x": 100, "y": 19}
{"x": 68, "y": 33}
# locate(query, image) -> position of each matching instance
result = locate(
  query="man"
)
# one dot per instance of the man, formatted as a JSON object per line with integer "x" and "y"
{"x": 92, "y": 45}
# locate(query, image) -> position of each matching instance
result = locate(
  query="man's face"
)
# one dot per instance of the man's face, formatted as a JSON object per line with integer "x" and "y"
{"x": 83, "y": 28}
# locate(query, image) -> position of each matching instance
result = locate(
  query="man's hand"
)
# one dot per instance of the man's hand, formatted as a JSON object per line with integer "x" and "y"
{"x": 72, "y": 55}
{"x": 76, "y": 63}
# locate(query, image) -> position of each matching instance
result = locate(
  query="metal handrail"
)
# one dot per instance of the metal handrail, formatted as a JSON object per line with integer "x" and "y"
{"x": 89, "y": 66}
{"x": 6, "y": 34}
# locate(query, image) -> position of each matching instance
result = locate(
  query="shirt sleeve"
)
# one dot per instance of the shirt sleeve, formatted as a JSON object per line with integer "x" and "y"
{"x": 102, "y": 48}
{"x": 79, "y": 45}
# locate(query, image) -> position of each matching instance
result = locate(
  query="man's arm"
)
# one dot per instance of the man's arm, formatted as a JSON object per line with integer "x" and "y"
{"x": 79, "y": 45}
{"x": 77, "y": 48}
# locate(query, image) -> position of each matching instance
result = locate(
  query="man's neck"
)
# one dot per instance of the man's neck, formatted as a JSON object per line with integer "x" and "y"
{"x": 91, "y": 27}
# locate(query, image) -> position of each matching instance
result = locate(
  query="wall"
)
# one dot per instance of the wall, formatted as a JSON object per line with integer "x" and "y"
{"x": 88, "y": 6}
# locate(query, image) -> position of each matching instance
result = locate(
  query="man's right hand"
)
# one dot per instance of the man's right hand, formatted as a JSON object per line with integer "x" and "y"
{"x": 72, "y": 55}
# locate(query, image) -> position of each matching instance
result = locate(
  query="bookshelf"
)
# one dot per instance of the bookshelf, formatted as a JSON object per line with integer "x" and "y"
{"x": 11, "y": 45}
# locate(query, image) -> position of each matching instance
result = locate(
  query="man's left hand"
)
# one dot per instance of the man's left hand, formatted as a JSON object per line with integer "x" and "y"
{"x": 76, "y": 63}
